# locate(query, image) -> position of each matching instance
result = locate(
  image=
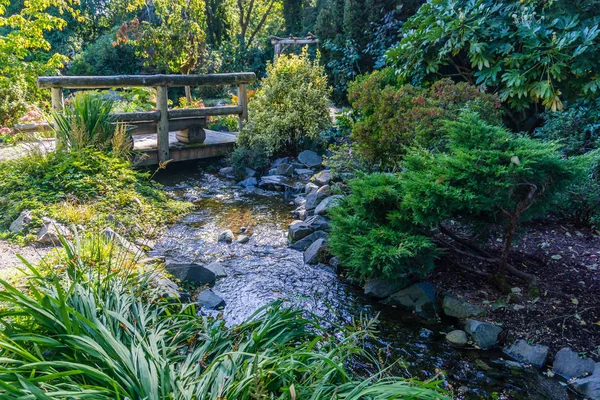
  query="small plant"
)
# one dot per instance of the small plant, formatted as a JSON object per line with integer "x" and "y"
{"x": 291, "y": 107}
{"x": 85, "y": 122}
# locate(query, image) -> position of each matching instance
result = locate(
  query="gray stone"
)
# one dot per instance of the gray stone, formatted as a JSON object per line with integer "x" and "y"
{"x": 315, "y": 252}
{"x": 425, "y": 333}
{"x": 325, "y": 190}
{"x": 193, "y": 273}
{"x": 310, "y": 158}
{"x": 590, "y": 385}
{"x": 300, "y": 213}
{"x": 484, "y": 334}
{"x": 457, "y": 337}
{"x": 209, "y": 300}
{"x": 419, "y": 298}
{"x": 327, "y": 204}
{"x": 380, "y": 288}
{"x": 243, "y": 239}
{"x": 250, "y": 173}
{"x": 313, "y": 200}
{"x": 568, "y": 364}
{"x": 303, "y": 171}
{"x": 300, "y": 200}
{"x": 19, "y": 224}
{"x": 248, "y": 182}
{"x": 51, "y": 232}
{"x": 299, "y": 230}
{"x": 227, "y": 172}
{"x": 460, "y": 309}
{"x": 317, "y": 223}
{"x": 535, "y": 355}
{"x": 323, "y": 177}
{"x": 217, "y": 269}
{"x": 326, "y": 268}
{"x": 310, "y": 188}
{"x": 226, "y": 236}
{"x": 334, "y": 262}
{"x": 282, "y": 160}
{"x": 304, "y": 243}
{"x": 271, "y": 181}
{"x": 285, "y": 170}
{"x": 111, "y": 235}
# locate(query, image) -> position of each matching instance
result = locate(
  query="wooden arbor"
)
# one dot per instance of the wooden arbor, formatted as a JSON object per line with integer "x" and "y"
{"x": 282, "y": 44}
{"x": 162, "y": 120}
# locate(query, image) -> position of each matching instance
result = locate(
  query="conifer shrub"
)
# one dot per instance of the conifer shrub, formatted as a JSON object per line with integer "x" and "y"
{"x": 393, "y": 117}
{"x": 373, "y": 237}
{"x": 290, "y": 109}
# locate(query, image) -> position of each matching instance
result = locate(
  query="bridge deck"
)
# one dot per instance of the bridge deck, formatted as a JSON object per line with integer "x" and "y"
{"x": 216, "y": 144}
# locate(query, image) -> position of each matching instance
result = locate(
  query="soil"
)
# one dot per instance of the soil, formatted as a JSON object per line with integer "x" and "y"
{"x": 564, "y": 307}
{"x": 9, "y": 251}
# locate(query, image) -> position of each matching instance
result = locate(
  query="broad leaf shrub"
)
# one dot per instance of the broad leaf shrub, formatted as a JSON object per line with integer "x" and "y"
{"x": 290, "y": 109}
{"x": 90, "y": 188}
{"x": 577, "y": 129}
{"x": 484, "y": 176}
{"x": 374, "y": 237}
{"x": 392, "y": 117}
{"x": 110, "y": 333}
{"x": 528, "y": 51}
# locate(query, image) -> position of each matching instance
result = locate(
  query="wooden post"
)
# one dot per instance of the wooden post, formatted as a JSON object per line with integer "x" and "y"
{"x": 243, "y": 102}
{"x": 162, "y": 105}
{"x": 58, "y": 102}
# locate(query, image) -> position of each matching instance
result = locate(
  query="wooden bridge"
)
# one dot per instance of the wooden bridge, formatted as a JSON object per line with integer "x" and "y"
{"x": 166, "y": 134}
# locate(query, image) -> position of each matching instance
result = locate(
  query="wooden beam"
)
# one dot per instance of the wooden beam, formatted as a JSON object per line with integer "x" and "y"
{"x": 205, "y": 112}
{"x": 243, "y": 103}
{"x": 162, "y": 104}
{"x": 146, "y": 127}
{"x": 97, "y": 82}
{"x": 136, "y": 116}
{"x": 58, "y": 102}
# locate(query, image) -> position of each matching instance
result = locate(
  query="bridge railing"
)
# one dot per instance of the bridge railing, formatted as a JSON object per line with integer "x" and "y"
{"x": 162, "y": 120}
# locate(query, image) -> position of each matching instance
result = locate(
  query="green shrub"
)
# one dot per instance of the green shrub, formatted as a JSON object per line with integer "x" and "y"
{"x": 393, "y": 117}
{"x": 13, "y": 104}
{"x": 83, "y": 332}
{"x": 291, "y": 107}
{"x": 499, "y": 44}
{"x": 372, "y": 236}
{"x": 89, "y": 188}
{"x": 577, "y": 129}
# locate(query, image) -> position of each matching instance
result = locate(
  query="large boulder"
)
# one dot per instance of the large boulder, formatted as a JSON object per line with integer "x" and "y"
{"x": 217, "y": 269}
{"x": 419, "y": 298}
{"x": 457, "y": 337}
{"x": 322, "y": 178}
{"x": 227, "y": 172}
{"x": 484, "y": 334}
{"x": 460, "y": 309}
{"x": 248, "y": 182}
{"x": 590, "y": 385}
{"x": 285, "y": 170}
{"x": 522, "y": 351}
{"x": 310, "y": 187}
{"x": 310, "y": 158}
{"x": 304, "y": 243}
{"x": 303, "y": 172}
{"x": 111, "y": 235}
{"x": 315, "y": 252}
{"x": 193, "y": 273}
{"x": 210, "y": 300}
{"x": 299, "y": 230}
{"x": 226, "y": 236}
{"x": 327, "y": 204}
{"x": 317, "y": 223}
{"x": 313, "y": 200}
{"x": 273, "y": 182}
{"x": 568, "y": 364}
{"x": 380, "y": 288}
{"x": 51, "y": 232}
{"x": 22, "y": 220}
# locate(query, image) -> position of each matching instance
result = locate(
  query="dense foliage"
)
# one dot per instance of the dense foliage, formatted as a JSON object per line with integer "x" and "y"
{"x": 393, "y": 117}
{"x": 485, "y": 176}
{"x": 88, "y": 333}
{"x": 526, "y": 51}
{"x": 86, "y": 187}
{"x": 289, "y": 110}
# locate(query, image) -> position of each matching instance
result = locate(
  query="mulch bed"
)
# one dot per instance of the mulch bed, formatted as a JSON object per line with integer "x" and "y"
{"x": 565, "y": 308}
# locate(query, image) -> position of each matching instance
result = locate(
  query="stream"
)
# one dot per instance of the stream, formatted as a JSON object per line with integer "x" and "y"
{"x": 265, "y": 269}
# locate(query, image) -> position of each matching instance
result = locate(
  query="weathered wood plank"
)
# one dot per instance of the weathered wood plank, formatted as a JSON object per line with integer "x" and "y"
{"x": 98, "y": 82}
{"x": 136, "y": 116}
{"x": 146, "y": 127}
{"x": 243, "y": 103}
{"x": 162, "y": 104}
{"x": 205, "y": 112}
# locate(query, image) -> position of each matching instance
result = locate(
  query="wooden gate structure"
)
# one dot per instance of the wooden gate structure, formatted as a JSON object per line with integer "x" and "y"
{"x": 163, "y": 120}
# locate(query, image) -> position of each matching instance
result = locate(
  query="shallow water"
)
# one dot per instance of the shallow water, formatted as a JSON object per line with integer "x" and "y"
{"x": 265, "y": 269}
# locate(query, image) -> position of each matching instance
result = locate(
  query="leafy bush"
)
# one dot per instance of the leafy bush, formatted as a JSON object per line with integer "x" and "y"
{"x": 577, "y": 129}
{"x": 372, "y": 236}
{"x": 394, "y": 117}
{"x": 85, "y": 122}
{"x": 13, "y": 102}
{"x": 103, "y": 58}
{"x": 86, "y": 333}
{"x": 291, "y": 107}
{"x": 527, "y": 51}
{"x": 88, "y": 188}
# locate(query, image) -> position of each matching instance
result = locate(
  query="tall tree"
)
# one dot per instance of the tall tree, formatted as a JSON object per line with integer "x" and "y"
{"x": 253, "y": 17}
{"x": 293, "y": 13}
